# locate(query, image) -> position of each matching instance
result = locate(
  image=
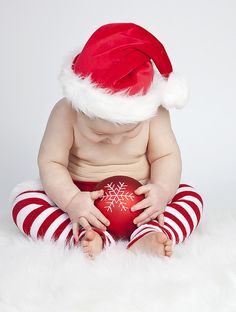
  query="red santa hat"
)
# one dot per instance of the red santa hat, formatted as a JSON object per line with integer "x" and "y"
{"x": 122, "y": 75}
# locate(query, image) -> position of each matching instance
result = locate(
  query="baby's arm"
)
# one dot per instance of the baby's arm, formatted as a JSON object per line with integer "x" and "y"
{"x": 54, "y": 153}
{"x": 53, "y": 161}
{"x": 164, "y": 154}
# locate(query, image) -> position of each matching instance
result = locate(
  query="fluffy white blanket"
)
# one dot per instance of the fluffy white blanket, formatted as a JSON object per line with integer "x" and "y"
{"x": 201, "y": 275}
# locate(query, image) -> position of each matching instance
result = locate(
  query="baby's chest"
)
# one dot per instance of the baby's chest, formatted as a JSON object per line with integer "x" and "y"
{"x": 103, "y": 154}
{"x": 129, "y": 151}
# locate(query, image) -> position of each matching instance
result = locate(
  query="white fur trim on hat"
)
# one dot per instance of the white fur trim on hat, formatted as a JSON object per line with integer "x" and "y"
{"x": 96, "y": 102}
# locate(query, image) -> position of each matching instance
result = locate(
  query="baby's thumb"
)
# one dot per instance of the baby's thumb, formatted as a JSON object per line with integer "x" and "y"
{"x": 96, "y": 194}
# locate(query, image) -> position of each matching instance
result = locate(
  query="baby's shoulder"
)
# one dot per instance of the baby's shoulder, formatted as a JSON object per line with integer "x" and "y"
{"x": 63, "y": 106}
{"x": 161, "y": 121}
{"x": 63, "y": 109}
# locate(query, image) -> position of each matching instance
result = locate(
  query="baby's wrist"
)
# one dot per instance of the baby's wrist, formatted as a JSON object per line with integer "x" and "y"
{"x": 70, "y": 203}
{"x": 164, "y": 190}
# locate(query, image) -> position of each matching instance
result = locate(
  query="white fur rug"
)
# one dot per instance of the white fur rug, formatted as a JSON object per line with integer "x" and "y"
{"x": 201, "y": 275}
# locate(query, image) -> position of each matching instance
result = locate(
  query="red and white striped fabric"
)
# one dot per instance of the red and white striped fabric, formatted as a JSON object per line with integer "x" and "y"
{"x": 39, "y": 218}
{"x": 182, "y": 215}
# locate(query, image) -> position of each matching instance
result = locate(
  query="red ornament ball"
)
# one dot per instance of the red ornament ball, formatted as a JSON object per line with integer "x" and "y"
{"x": 116, "y": 202}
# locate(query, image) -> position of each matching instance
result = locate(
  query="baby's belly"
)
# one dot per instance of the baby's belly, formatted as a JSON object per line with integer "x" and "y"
{"x": 83, "y": 171}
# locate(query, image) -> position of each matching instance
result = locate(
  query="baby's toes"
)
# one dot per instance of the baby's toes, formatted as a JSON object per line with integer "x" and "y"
{"x": 168, "y": 248}
{"x": 84, "y": 243}
{"x": 169, "y": 253}
{"x": 86, "y": 250}
{"x": 168, "y": 242}
{"x": 89, "y": 254}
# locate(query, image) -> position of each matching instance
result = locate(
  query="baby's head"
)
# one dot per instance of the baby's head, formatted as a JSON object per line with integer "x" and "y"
{"x": 114, "y": 82}
{"x": 102, "y": 131}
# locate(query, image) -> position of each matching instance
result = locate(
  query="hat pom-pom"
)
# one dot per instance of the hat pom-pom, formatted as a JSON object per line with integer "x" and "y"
{"x": 174, "y": 91}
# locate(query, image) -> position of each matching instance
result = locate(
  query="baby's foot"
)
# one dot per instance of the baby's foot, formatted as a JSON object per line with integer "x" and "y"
{"x": 155, "y": 243}
{"x": 91, "y": 243}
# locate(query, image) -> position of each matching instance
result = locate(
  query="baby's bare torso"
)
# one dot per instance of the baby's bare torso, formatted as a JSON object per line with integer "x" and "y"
{"x": 90, "y": 161}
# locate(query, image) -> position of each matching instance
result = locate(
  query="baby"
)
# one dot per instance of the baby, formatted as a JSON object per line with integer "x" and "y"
{"x": 77, "y": 147}
{"x": 114, "y": 120}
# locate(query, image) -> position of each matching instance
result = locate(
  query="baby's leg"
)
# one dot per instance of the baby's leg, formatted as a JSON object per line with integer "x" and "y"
{"x": 37, "y": 216}
{"x": 182, "y": 215}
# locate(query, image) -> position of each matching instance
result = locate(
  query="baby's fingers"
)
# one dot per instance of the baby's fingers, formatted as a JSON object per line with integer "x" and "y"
{"x": 84, "y": 223}
{"x": 146, "y": 214}
{"x": 75, "y": 229}
{"x": 96, "y": 194}
{"x": 97, "y": 213}
{"x": 160, "y": 218}
{"x": 143, "y": 189}
{"x": 150, "y": 218}
{"x": 141, "y": 205}
{"x": 96, "y": 223}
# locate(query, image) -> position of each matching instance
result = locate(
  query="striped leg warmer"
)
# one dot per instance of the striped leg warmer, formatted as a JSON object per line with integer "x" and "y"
{"x": 182, "y": 215}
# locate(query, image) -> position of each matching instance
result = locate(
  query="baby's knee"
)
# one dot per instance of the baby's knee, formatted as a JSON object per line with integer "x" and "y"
{"x": 23, "y": 187}
{"x": 188, "y": 192}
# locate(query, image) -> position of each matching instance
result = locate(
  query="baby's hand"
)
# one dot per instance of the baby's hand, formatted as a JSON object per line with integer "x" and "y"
{"x": 82, "y": 211}
{"x": 154, "y": 204}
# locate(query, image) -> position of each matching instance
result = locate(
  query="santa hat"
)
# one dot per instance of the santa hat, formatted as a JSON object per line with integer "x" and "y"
{"x": 115, "y": 76}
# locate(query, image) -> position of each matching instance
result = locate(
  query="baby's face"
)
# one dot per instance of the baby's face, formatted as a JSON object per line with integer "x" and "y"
{"x": 101, "y": 131}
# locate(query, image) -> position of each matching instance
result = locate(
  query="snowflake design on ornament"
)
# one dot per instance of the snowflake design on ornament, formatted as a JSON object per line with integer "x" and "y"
{"x": 117, "y": 194}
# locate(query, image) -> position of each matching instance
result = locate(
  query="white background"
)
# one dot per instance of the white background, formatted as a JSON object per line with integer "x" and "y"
{"x": 199, "y": 37}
